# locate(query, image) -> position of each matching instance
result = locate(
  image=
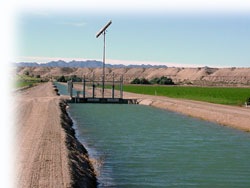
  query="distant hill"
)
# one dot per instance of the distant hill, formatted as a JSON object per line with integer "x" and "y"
{"x": 78, "y": 64}
{"x": 204, "y": 76}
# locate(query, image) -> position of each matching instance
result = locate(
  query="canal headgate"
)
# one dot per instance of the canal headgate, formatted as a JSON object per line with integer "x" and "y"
{"x": 93, "y": 91}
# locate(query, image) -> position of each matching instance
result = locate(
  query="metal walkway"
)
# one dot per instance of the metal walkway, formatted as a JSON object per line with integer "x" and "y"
{"x": 102, "y": 100}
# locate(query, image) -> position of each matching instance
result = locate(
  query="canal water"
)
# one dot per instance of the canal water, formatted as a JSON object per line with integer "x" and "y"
{"x": 63, "y": 89}
{"x": 141, "y": 146}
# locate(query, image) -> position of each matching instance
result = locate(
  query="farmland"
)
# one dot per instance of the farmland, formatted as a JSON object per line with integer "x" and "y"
{"x": 24, "y": 80}
{"x": 228, "y": 96}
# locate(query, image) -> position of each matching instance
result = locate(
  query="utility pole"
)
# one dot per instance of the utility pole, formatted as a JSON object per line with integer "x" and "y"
{"x": 103, "y": 65}
{"x": 103, "y": 31}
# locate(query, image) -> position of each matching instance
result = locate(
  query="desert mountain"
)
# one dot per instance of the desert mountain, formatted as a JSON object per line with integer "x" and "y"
{"x": 88, "y": 63}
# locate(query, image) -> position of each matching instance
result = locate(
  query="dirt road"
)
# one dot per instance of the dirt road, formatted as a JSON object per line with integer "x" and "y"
{"x": 233, "y": 116}
{"x": 44, "y": 153}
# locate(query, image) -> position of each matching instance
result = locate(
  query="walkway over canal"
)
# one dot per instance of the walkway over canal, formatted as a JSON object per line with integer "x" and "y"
{"x": 93, "y": 93}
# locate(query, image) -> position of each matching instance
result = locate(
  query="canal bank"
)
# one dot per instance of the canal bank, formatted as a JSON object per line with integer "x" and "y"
{"x": 232, "y": 116}
{"x": 82, "y": 170}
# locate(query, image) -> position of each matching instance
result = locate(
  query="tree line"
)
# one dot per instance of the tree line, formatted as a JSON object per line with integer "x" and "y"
{"x": 161, "y": 81}
{"x": 74, "y": 78}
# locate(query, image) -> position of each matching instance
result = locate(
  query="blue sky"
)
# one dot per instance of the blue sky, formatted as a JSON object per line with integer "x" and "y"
{"x": 216, "y": 40}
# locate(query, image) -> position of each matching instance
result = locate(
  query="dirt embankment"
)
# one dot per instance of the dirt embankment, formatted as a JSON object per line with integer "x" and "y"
{"x": 48, "y": 153}
{"x": 235, "y": 117}
{"x": 232, "y": 116}
{"x": 196, "y": 76}
{"x": 82, "y": 171}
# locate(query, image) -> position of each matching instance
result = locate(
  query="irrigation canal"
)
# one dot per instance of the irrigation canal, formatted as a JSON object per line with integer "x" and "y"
{"x": 141, "y": 146}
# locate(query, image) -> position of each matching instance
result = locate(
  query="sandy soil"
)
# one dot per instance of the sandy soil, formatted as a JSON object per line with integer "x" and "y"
{"x": 48, "y": 155}
{"x": 233, "y": 116}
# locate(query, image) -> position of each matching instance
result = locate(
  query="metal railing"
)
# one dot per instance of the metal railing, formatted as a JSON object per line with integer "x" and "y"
{"x": 90, "y": 86}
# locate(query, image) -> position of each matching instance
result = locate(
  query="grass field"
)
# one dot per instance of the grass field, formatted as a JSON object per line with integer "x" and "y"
{"x": 22, "y": 81}
{"x": 20, "y": 84}
{"x": 29, "y": 78}
{"x": 229, "y": 96}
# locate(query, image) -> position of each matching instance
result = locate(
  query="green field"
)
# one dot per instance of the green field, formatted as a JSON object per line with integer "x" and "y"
{"x": 20, "y": 84}
{"x": 23, "y": 80}
{"x": 229, "y": 96}
{"x": 27, "y": 78}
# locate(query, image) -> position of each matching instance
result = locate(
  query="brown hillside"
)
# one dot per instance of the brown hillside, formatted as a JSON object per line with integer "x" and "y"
{"x": 196, "y": 76}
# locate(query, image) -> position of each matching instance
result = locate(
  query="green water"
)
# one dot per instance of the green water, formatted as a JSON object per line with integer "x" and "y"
{"x": 141, "y": 146}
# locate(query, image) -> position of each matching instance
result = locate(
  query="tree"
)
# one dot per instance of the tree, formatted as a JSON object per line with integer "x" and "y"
{"x": 38, "y": 76}
{"x": 27, "y": 73}
{"x": 136, "y": 81}
{"x": 61, "y": 79}
{"x": 155, "y": 80}
{"x": 74, "y": 78}
{"x": 166, "y": 81}
{"x": 162, "y": 81}
{"x": 144, "y": 81}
